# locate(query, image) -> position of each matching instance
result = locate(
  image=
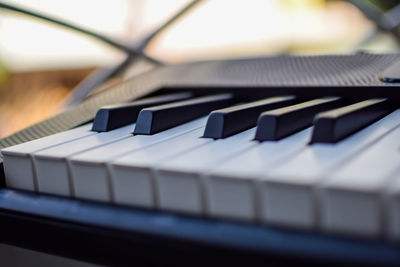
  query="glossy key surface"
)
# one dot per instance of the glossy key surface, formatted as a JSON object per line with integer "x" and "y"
{"x": 114, "y": 116}
{"x": 279, "y": 123}
{"x": 155, "y": 119}
{"x": 333, "y": 125}
{"x": 228, "y": 121}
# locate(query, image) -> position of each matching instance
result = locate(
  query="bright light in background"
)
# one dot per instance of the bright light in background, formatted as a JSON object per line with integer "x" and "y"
{"x": 226, "y": 28}
{"x": 33, "y": 44}
{"x": 28, "y": 44}
{"x": 224, "y": 24}
{"x": 215, "y": 28}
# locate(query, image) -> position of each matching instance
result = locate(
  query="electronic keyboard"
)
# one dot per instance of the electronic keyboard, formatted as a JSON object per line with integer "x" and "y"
{"x": 285, "y": 159}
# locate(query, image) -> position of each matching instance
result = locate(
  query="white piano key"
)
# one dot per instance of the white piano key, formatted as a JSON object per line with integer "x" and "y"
{"x": 18, "y": 165}
{"x": 230, "y": 188}
{"x": 89, "y": 169}
{"x": 288, "y": 192}
{"x": 178, "y": 181}
{"x": 51, "y": 165}
{"x": 132, "y": 176}
{"x": 352, "y": 197}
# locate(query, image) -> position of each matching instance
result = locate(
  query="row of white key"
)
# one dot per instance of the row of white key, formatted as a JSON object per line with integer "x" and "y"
{"x": 52, "y": 170}
{"x": 92, "y": 175}
{"x": 230, "y": 187}
{"x": 43, "y": 165}
{"x": 286, "y": 182}
{"x": 173, "y": 179}
{"x": 178, "y": 180}
{"x": 132, "y": 175}
{"x": 284, "y": 192}
{"x": 18, "y": 164}
{"x": 355, "y": 198}
{"x": 275, "y": 182}
{"x": 303, "y": 175}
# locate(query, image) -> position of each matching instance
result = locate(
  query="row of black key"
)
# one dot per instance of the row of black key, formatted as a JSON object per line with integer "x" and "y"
{"x": 275, "y": 117}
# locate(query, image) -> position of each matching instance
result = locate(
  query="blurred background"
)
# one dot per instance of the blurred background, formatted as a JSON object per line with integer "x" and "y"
{"x": 41, "y": 64}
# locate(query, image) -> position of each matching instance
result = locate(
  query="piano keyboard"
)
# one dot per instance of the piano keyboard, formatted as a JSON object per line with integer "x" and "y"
{"x": 326, "y": 164}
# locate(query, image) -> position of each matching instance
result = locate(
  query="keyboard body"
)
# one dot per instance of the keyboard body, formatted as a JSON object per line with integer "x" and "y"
{"x": 121, "y": 235}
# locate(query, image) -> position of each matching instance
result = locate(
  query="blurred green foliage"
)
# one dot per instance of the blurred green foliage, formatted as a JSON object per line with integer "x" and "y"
{"x": 385, "y": 4}
{"x": 3, "y": 74}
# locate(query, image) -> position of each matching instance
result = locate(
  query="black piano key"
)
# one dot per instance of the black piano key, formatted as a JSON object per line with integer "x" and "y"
{"x": 156, "y": 119}
{"x": 114, "y": 116}
{"x": 334, "y": 125}
{"x": 279, "y": 123}
{"x": 228, "y": 121}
